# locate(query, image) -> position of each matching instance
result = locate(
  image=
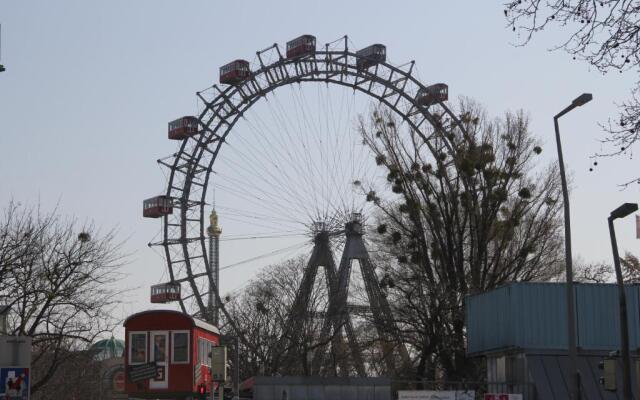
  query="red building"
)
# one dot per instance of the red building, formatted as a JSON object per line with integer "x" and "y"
{"x": 178, "y": 344}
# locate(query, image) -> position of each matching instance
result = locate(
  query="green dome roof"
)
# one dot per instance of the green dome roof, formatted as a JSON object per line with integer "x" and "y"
{"x": 108, "y": 348}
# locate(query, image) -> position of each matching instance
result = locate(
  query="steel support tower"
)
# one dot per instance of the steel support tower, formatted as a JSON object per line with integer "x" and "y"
{"x": 293, "y": 335}
{"x": 337, "y": 351}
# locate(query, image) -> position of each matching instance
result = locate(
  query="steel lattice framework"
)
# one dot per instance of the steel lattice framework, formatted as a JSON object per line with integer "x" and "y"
{"x": 184, "y": 232}
{"x": 338, "y": 318}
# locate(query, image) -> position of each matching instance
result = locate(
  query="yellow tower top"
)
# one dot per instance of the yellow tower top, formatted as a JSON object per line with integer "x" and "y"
{"x": 214, "y": 229}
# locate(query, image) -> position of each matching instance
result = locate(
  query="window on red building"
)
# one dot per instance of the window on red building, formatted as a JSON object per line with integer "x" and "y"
{"x": 137, "y": 348}
{"x": 180, "y": 353}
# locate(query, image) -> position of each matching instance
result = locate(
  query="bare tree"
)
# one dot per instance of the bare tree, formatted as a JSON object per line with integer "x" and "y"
{"x": 594, "y": 272}
{"x": 261, "y": 311}
{"x": 603, "y": 33}
{"x": 467, "y": 213}
{"x": 59, "y": 277}
{"x": 630, "y": 268}
{"x": 77, "y": 377}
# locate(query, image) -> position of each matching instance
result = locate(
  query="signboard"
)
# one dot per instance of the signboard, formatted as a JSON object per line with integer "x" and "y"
{"x": 436, "y": 395}
{"x": 142, "y": 371}
{"x": 219, "y": 363}
{"x": 15, "y": 383}
{"x": 502, "y": 396}
{"x": 15, "y": 350}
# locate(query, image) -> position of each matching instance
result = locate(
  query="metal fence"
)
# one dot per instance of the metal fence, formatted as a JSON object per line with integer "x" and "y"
{"x": 527, "y": 390}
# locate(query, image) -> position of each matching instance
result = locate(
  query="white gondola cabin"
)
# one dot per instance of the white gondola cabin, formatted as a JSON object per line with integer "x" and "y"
{"x": 235, "y": 72}
{"x": 301, "y": 46}
{"x": 433, "y": 94}
{"x": 370, "y": 56}
{"x": 157, "y": 207}
{"x": 165, "y": 292}
{"x": 182, "y": 128}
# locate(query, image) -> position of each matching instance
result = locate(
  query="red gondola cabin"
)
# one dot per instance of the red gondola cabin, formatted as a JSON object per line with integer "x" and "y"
{"x": 165, "y": 292}
{"x": 182, "y": 128}
{"x": 370, "y": 56}
{"x": 235, "y": 72}
{"x": 433, "y": 94}
{"x": 156, "y": 207}
{"x": 301, "y": 46}
{"x": 175, "y": 347}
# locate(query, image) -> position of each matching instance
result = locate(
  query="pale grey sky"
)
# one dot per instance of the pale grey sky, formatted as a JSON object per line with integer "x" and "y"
{"x": 90, "y": 86}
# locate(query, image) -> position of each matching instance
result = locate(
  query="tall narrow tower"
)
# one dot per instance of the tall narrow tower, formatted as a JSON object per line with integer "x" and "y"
{"x": 214, "y": 233}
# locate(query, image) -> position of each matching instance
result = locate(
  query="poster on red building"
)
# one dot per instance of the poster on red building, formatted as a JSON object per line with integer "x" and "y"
{"x": 14, "y": 383}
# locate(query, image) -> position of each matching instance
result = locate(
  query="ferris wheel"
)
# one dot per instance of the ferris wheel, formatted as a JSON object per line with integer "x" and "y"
{"x": 278, "y": 138}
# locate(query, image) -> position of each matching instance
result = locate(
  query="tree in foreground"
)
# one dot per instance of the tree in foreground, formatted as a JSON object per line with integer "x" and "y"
{"x": 60, "y": 279}
{"x": 467, "y": 212}
{"x": 603, "y": 33}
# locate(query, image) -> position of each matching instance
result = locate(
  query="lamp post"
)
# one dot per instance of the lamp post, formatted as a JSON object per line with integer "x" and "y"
{"x": 621, "y": 212}
{"x": 574, "y": 380}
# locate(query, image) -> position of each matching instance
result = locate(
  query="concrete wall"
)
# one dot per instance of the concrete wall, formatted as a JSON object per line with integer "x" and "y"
{"x": 316, "y": 388}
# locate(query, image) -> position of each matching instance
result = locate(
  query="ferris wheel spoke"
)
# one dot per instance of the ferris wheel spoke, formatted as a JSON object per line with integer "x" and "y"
{"x": 255, "y": 200}
{"x": 244, "y": 181}
{"x": 254, "y": 223}
{"x": 261, "y": 217}
{"x": 316, "y": 169}
{"x": 280, "y": 181}
{"x": 338, "y": 174}
{"x": 256, "y": 214}
{"x": 300, "y": 158}
{"x": 260, "y": 160}
{"x": 281, "y": 121}
{"x": 279, "y": 205}
{"x": 311, "y": 169}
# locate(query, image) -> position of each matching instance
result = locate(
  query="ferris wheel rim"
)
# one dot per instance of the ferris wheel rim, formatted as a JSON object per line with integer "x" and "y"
{"x": 191, "y": 151}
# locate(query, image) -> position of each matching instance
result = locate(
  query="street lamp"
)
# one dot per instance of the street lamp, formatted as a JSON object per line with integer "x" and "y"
{"x": 621, "y": 212}
{"x": 574, "y": 380}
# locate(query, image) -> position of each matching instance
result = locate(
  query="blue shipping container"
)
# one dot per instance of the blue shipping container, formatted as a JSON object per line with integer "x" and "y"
{"x": 533, "y": 316}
